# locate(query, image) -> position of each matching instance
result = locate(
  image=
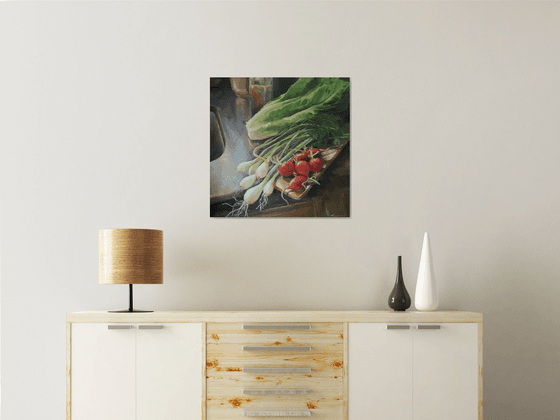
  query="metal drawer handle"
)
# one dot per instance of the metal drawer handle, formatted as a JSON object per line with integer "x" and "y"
{"x": 276, "y": 391}
{"x": 277, "y": 370}
{"x": 150, "y": 327}
{"x": 429, "y": 327}
{"x": 276, "y": 327}
{"x": 119, "y": 327}
{"x": 398, "y": 327}
{"x": 277, "y": 413}
{"x": 248, "y": 348}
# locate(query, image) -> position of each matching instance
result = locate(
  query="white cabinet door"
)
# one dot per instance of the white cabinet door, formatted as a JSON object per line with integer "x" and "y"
{"x": 379, "y": 372}
{"x": 169, "y": 371}
{"x": 446, "y": 372}
{"x": 103, "y": 372}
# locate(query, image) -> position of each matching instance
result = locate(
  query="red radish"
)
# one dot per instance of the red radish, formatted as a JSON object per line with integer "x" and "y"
{"x": 302, "y": 168}
{"x": 297, "y": 182}
{"x": 315, "y": 164}
{"x": 286, "y": 169}
{"x": 303, "y": 155}
{"x": 313, "y": 151}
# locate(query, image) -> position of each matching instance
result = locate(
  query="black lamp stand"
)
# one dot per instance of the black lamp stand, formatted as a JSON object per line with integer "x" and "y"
{"x": 130, "y": 305}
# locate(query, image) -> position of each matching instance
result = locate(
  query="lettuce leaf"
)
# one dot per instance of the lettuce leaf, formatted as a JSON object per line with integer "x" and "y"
{"x": 307, "y": 99}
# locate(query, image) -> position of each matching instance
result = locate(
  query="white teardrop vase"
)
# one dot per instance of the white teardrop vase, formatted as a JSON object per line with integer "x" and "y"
{"x": 426, "y": 297}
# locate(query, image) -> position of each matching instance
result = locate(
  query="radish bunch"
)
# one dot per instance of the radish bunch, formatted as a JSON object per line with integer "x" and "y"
{"x": 300, "y": 166}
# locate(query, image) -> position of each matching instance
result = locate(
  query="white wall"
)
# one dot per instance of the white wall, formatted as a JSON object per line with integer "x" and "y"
{"x": 455, "y": 131}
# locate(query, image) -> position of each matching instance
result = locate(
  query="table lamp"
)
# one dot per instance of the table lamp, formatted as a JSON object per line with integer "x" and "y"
{"x": 130, "y": 256}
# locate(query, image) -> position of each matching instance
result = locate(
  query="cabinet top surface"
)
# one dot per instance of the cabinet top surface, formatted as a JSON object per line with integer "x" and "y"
{"x": 276, "y": 316}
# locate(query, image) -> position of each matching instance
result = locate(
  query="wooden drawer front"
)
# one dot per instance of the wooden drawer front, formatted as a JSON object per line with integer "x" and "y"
{"x": 232, "y": 375}
{"x": 312, "y": 357}
{"x": 227, "y": 331}
{"x": 231, "y": 402}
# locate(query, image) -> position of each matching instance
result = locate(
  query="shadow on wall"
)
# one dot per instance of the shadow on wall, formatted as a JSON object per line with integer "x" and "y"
{"x": 520, "y": 351}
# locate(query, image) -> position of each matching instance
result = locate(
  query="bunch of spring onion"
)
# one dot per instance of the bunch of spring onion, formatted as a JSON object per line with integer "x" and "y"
{"x": 259, "y": 181}
{"x": 259, "y": 184}
{"x": 322, "y": 131}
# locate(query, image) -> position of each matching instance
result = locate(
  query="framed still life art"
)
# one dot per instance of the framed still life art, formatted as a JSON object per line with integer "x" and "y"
{"x": 280, "y": 147}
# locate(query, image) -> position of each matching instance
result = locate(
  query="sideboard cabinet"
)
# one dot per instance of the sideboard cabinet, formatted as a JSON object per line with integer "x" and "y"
{"x": 231, "y": 365}
{"x": 413, "y": 371}
{"x": 136, "y": 371}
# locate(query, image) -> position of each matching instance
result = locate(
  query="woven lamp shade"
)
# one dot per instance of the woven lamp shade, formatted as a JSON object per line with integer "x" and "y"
{"x": 130, "y": 256}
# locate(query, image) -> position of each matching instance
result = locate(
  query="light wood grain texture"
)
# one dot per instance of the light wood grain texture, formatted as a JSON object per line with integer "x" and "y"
{"x": 68, "y": 371}
{"x": 204, "y": 389}
{"x": 282, "y": 339}
{"x": 130, "y": 256}
{"x": 278, "y": 327}
{"x": 277, "y": 413}
{"x": 276, "y": 349}
{"x": 235, "y": 331}
{"x": 228, "y": 364}
{"x": 276, "y": 391}
{"x": 277, "y": 370}
{"x": 480, "y": 372}
{"x": 223, "y": 369}
{"x": 345, "y": 369}
{"x": 280, "y": 352}
{"x": 225, "y": 393}
{"x": 289, "y": 380}
{"x": 230, "y": 402}
{"x": 277, "y": 316}
{"x": 228, "y": 367}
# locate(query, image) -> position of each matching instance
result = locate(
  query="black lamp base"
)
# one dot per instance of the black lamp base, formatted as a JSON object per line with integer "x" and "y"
{"x": 130, "y": 308}
{"x": 119, "y": 311}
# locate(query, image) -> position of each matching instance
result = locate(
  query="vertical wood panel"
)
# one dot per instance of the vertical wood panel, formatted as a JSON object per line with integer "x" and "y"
{"x": 68, "y": 371}
{"x": 229, "y": 403}
{"x": 480, "y": 372}
{"x": 345, "y": 369}
{"x": 203, "y": 402}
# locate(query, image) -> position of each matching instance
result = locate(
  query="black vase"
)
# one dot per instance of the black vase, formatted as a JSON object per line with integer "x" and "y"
{"x": 399, "y": 299}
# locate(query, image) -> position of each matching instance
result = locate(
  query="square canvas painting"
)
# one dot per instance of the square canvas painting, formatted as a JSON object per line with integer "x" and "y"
{"x": 279, "y": 147}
